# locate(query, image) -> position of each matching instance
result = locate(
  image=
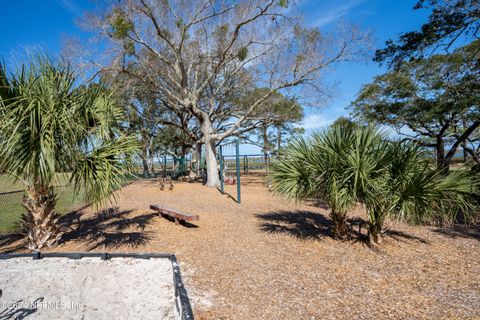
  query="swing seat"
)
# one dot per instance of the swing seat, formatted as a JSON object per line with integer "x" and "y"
{"x": 230, "y": 181}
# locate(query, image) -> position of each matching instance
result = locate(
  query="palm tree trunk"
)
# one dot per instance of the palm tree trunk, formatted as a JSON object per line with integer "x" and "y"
{"x": 375, "y": 225}
{"x": 374, "y": 232}
{"x": 40, "y": 221}
{"x": 340, "y": 229}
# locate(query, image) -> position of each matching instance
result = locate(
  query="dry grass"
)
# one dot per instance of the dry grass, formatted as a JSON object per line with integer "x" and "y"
{"x": 269, "y": 259}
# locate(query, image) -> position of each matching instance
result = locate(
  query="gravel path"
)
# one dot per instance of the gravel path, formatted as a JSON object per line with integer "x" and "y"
{"x": 269, "y": 259}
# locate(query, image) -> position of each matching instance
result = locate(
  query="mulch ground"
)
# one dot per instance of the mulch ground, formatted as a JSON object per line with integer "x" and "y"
{"x": 270, "y": 259}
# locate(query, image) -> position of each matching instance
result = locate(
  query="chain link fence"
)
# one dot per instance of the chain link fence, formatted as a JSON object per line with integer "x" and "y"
{"x": 177, "y": 166}
{"x": 254, "y": 163}
{"x": 11, "y": 208}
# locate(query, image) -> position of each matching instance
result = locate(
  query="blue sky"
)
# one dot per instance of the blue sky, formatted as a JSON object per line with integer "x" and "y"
{"x": 35, "y": 25}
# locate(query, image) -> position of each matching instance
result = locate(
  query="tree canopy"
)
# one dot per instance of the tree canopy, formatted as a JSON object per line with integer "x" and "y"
{"x": 450, "y": 22}
{"x": 436, "y": 98}
{"x": 196, "y": 56}
{"x": 276, "y": 119}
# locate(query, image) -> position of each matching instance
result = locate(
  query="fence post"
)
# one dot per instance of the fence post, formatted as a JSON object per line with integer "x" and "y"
{"x": 244, "y": 164}
{"x": 164, "y": 166}
{"x": 221, "y": 167}
{"x": 265, "y": 157}
{"x": 237, "y": 158}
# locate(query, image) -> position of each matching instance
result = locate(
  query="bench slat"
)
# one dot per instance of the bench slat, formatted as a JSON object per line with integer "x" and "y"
{"x": 175, "y": 213}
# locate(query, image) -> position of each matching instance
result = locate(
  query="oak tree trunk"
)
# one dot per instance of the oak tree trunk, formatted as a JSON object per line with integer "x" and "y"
{"x": 279, "y": 140}
{"x": 197, "y": 158}
{"x": 442, "y": 163}
{"x": 265, "y": 141}
{"x": 145, "y": 161}
{"x": 213, "y": 178}
{"x": 265, "y": 147}
{"x": 152, "y": 162}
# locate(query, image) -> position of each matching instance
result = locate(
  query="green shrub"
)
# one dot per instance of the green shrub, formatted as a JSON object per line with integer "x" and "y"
{"x": 345, "y": 165}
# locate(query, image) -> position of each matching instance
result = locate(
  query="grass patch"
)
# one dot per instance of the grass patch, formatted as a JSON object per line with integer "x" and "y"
{"x": 8, "y": 184}
{"x": 11, "y": 208}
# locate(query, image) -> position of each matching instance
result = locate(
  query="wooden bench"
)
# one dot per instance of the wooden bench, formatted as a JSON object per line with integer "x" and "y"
{"x": 178, "y": 216}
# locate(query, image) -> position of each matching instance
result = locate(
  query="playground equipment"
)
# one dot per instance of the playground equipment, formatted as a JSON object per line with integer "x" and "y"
{"x": 166, "y": 180}
{"x": 174, "y": 167}
{"x": 230, "y": 180}
{"x": 230, "y": 166}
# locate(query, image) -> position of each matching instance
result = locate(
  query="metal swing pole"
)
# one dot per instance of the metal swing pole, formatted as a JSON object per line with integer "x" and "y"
{"x": 237, "y": 160}
{"x": 221, "y": 167}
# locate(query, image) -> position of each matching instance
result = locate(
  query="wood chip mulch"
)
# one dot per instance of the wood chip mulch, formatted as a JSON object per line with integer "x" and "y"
{"x": 270, "y": 259}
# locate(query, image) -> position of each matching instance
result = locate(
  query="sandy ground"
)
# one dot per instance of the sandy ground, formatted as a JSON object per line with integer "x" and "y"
{"x": 270, "y": 259}
{"x": 89, "y": 288}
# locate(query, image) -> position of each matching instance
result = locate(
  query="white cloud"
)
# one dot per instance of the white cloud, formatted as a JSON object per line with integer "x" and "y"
{"x": 315, "y": 121}
{"x": 72, "y": 6}
{"x": 334, "y": 13}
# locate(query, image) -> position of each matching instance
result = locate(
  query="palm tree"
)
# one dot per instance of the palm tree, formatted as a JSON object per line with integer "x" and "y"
{"x": 327, "y": 162}
{"x": 420, "y": 193}
{"x": 51, "y": 124}
{"x": 315, "y": 169}
{"x": 348, "y": 164}
{"x": 366, "y": 169}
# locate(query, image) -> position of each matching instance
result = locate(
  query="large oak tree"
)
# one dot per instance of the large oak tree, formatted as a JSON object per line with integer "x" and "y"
{"x": 196, "y": 55}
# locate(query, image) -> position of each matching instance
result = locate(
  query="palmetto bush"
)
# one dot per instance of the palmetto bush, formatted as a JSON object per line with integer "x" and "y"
{"x": 346, "y": 165}
{"x": 50, "y": 124}
{"x": 419, "y": 193}
{"x": 315, "y": 169}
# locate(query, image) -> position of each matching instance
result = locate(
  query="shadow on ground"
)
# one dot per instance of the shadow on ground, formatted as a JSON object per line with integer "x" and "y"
{"x": 109, "y": 229}
{"x": 19, "y": 310}
{"x": 300, "y": 224}
{"x": 458, "y": 231}
{"x": 11, "y": 243}
{"x": 252, "y": 178}
{"x": 228, "y": 195}
{"x": 311, "y": 225}
{"x": 402, "y": 236}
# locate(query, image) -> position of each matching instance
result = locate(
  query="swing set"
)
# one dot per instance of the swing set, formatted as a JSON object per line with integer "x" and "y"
{"x": 184, "y": 166}
{"x": 224, "y": 177}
